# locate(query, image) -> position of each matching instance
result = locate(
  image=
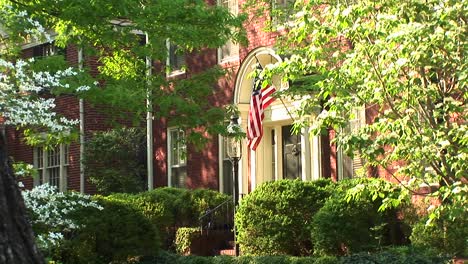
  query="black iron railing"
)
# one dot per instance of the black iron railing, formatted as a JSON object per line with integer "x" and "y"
{"x": 220, "y": 217}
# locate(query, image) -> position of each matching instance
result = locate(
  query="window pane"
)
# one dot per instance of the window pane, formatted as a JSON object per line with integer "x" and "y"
{"x": 39, "y": 157}
{"x": 54, "y": 176}
{"x": 176, "y": 58}
{"x": 178, "y": 175}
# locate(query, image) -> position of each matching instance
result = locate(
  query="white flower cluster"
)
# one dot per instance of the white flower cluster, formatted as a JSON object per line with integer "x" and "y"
{"x": 49, "y": 240}
{"x": 54, "y": 209}
{"x": 32, "y": 27}
{"x": 19, "y": 102}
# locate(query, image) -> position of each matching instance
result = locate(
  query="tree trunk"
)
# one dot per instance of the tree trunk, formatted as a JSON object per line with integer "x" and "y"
{"x": 17, "y": 244}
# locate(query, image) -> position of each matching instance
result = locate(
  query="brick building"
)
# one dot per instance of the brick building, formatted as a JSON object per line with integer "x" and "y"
{"x": 281, "y": 154}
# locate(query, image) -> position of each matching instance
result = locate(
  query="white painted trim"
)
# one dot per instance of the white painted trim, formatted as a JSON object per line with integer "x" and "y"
{"x": 253, "y": 169}
{"x": 306, "y": 156}
{"x": 62, "y": 169}
{"x": 220, "y": 164}
{"x": 169, "y": 157}
{"x": 172, "y": 73}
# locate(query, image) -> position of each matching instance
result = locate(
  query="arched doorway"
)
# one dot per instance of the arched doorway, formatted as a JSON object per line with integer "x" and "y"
{"x": 281, "y": 153}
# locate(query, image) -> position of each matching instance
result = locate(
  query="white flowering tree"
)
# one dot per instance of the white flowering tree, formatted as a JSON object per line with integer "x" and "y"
{"x": 21, "y": 82}
{"x": 406, "y": 63}
{"x": 53, "y": 214}
{"x": 22, "y": 107}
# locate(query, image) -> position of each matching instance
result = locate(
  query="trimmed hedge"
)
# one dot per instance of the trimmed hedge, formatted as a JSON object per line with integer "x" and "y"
{"x": 132, "y": 225}
{"x": 398, "y": 255}
{"x": 184, "y": 237}
{"x": 170, "y": 208}
{"x": 343, "y": 226}
{"x": 113, "y": 234}
{"x": 275, "y": 218}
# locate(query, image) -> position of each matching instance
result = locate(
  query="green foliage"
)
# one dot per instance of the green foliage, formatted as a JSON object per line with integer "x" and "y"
{"x": 166, "y": 257}
{"x": 345, "y": 225}
{"x": 405, "y": 62}
{"x": 106, "y": 30}
{"x": 23, "y": 169}
{"x": 184, "y": 237}
{"x": 397, "y": 255}
{"x": 275, "y": 218}
{"x": 168, "y": 209}
{"x": 444, "y": 236}
{"x": 115, "y": 160}
{"x": 113, "y": 234}
{"x": 407, "y": 255}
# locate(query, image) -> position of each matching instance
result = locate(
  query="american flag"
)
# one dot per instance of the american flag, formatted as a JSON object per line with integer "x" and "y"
{"x": 261, "y": 99}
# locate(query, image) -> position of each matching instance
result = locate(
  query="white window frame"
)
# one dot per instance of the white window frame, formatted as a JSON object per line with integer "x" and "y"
{"x": 233, "y": 6}
{"x": 182, "y": 148}
{"x": 222, "y": 157}
{"x": 49, "y": 163}
{"x": 174, "y": 72}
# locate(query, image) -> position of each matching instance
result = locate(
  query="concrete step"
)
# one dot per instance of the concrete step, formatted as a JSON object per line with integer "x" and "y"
{"x": 226, "y": 252}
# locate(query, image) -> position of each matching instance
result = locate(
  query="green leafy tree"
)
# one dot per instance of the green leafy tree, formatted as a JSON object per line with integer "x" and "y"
{"x": 115, "y": 160}
{"x": 405, "y": 62}
{"x": 122, "y": 34}
{"x": 108, "y": 30}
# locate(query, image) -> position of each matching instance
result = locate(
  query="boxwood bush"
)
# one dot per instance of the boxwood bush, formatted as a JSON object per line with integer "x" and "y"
{"x": 346, "y": 225}
{"x": 397, "y": 255}
{"x": 113, "y": 234}
{"x": 170, "y": 208}
{"x": 275, "y": 218}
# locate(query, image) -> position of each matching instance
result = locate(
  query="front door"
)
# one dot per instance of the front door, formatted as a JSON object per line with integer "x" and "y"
{"x": 292, "y": 160}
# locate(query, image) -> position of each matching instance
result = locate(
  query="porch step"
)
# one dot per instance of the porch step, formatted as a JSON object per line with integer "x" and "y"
{"x": 226, "y": 252}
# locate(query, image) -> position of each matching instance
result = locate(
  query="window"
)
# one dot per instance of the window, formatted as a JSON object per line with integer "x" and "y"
{"x": 48, "y": 49}
{"x": 175, "y": 59}
{"x": 351, "y": 167}
{"x": 281, "y": 10}
{"x": 230, "y": 50}
{"x": 177, "y": 158}
{"x": 226, "y": 180}
{"x": 52, "y": 164}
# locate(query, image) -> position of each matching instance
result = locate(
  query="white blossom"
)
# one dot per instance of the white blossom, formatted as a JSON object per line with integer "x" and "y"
{"x": 54, "y": 209}
{"x": 19, "y": 102}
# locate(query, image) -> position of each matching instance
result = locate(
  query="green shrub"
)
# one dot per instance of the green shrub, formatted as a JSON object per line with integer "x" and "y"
{"x": 170, "y": 208}
{"x": 184, "y": 237}
{"x": 166, "y": 257}
{"x": 56, "y": 216}
{"x": 124, "y": 149}
{"x": 113, "y": 234}
{"x": 275, "y": 218}
{"x": 398, "y": 255}
{"x": 345, "y": 225}
{"x": 443, "y": 236}
{"x": 326, "y": 260}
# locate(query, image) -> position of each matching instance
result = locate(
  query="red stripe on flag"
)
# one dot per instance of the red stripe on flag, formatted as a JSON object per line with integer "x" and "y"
{"x": 260, "y": 100}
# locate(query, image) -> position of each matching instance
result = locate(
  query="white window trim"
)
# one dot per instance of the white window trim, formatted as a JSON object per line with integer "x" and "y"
{"x": 169, "y": 156}
{"x": 172, "y": 73}
{"x": 231, "y": 58}
{"x": 220, "y": 164}
{"x": 228, "y": 59}
{"x": 63, "y": 164}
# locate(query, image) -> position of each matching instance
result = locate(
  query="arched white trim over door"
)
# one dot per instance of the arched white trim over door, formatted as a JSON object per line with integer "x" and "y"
{"x": 265, "y": 163}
